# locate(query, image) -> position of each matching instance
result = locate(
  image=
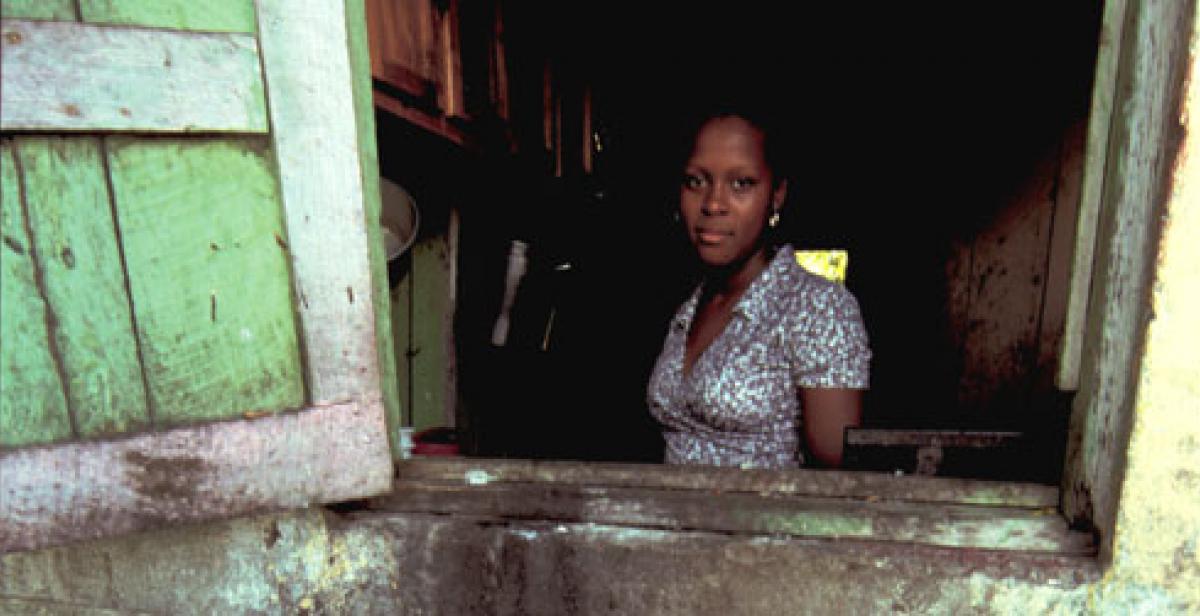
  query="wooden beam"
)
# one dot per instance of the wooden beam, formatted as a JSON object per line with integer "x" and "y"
{"x": 711, "y": 480}
{"x": 309, "y": 77}
{"x": 78, "y": 77}
{"x": 55, "y": 495}
{"x": 930, "y": 438}
{"x": 995, "y": 528}
{"x": 1104, "y": 94}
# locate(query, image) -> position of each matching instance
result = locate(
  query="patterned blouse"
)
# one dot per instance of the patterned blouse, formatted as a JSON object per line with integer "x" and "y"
{"x": 740, "y": 405}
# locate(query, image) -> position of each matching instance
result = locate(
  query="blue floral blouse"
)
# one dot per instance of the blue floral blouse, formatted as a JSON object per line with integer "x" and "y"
{"x": 740, "y": 405}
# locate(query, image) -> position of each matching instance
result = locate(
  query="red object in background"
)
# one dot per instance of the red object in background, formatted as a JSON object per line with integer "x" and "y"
{"x": 436, "y": 442}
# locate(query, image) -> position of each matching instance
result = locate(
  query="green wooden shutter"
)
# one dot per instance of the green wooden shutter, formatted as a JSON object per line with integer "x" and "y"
{"x": 188, "y": 231}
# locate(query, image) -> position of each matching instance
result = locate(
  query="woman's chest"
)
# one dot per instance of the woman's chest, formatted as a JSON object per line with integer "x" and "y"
{"x": 742, "y": 381}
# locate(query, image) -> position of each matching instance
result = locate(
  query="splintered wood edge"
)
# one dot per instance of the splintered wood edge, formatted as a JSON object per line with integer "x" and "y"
{"x": 69, "y": 492}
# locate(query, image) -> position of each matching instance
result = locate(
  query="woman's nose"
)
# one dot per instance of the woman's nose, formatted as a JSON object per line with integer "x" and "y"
{"x": 714, "y": 202}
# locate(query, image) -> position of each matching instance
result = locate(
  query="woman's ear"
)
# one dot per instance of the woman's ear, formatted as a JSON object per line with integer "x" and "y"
{"x": 779, "y": 195}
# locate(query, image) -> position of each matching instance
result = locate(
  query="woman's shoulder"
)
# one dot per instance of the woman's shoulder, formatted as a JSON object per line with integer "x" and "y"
{"x": 804, "y": 292}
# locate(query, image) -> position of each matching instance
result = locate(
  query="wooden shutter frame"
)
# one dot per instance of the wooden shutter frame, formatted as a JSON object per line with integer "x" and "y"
{"x": 335, "y": 449}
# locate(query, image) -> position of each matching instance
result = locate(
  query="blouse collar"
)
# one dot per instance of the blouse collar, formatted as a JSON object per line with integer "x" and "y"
{"x": 756, "y": 302}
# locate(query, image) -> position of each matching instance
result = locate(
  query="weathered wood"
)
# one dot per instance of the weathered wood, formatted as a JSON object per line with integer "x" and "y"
{"x": 308, "y": 74}
{"x": 401, "y": 305}
{"x": 449, "y": 60}
{"x": 79, "y": 491}
{"x": 844, "y": 484}
{"x": 1062, "y": 248}
{"x": 210, "y": 15}
{"x": 432, "y": 374}
{"x": 55, "y": 10}
{"x": 1091, "y": 191}
{"x": 208, "y": 270}
{"x": 21, "y": 605}
{"x": 929, "y": 438}
{"x": 33, "y": 403}
{"x": 71, "y": 217}
{"x": 438, "y": 125}
{"x": 998, "y": 528}
{"x": 1008, "y": 273}
{"x": 78, "y": 77}
{"x": 364, "y": 117}
{"x": 1142, "y": 151}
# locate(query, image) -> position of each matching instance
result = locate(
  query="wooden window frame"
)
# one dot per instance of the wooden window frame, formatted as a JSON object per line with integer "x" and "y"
{"x": 1064, "y": 530}
{"x": 336, "y": 448}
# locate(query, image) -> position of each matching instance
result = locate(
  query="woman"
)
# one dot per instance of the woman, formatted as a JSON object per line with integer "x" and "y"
{"x": 764, "y": 366}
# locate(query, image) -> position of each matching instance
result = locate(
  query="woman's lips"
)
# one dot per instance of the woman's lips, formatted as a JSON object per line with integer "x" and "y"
{"x": 708, "y": 236}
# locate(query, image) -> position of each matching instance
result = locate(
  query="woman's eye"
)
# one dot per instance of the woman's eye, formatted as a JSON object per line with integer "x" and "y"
{"x": 746, "y": 183}
{"x": 691, "y": 181}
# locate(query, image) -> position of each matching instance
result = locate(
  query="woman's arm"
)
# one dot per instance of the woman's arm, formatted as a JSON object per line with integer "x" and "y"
{"x": 827, "y": 413}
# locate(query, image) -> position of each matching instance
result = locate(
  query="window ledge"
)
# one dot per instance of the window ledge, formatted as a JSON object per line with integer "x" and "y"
{"x": 841, "y": 506}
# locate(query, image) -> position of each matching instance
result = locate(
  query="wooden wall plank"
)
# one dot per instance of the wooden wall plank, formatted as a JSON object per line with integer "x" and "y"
{"x": 308, "y": 74}
{"x": 78, "y": 77}
{"x": 207, "y": 262}
{"x": 401, "y": 305}
{"x": 958, "y": 304}
{"x": 432, "y": 381}
{"x": 1100, "y": 118}
{"x": 55, "y": 10}
{"x": 364, "y": 116}
{"x": 1006, "y": 286}
{"x": 33, "y": 403}
{"x": 71, "y": 218}
{"x": 857, "y": 485}
{"x": 994, "y": 528}
{"x": 210, "y": 15}
{"x": 87, "y": 490}
{"x": 1062, "y": 249}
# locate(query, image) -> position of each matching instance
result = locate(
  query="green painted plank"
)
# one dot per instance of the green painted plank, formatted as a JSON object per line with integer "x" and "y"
{"x": 55, "y": 10}
{"x": 209, "y": 15}
{"x": 71, "y": 220}
{"x": 33, "y": 406}
{"x": 401, "y": 308}
{"x": 430, "y": 331}
{"x": 203, "y": 239}
{"x": 62, "y": 76}
{"x": 364, "y": 117}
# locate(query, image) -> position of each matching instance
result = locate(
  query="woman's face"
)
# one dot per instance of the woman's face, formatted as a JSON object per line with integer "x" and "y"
{"x": 727, "y": 192}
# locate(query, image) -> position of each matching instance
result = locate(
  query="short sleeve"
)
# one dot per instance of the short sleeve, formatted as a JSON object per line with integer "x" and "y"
{"x": 828, "y": 340}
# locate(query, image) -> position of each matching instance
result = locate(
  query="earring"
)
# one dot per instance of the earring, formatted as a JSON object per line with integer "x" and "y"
{"x": 773, "y": 221}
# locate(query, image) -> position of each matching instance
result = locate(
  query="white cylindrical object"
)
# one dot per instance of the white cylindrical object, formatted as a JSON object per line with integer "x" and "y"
{"x": 517, "y": 262}
{"x": 406, "y": 442}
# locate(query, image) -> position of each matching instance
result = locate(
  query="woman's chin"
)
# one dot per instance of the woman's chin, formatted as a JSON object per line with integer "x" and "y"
{"x": 714, "y": 256}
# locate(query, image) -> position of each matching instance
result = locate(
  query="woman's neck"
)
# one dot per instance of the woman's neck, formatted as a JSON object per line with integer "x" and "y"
{"x": 731, "y": 281}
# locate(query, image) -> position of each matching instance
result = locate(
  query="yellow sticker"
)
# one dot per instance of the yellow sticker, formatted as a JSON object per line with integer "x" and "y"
{"x": 830, "y": 264}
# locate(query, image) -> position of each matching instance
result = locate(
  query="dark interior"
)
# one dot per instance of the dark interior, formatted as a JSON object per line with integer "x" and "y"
{"x": 910, "y": 125}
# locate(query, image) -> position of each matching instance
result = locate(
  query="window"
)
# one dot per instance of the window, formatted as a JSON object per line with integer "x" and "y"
{"x": 1068, "y": 153}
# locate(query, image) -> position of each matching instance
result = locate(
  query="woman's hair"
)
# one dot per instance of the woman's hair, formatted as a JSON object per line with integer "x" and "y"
{"x": 760, "y": 113}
